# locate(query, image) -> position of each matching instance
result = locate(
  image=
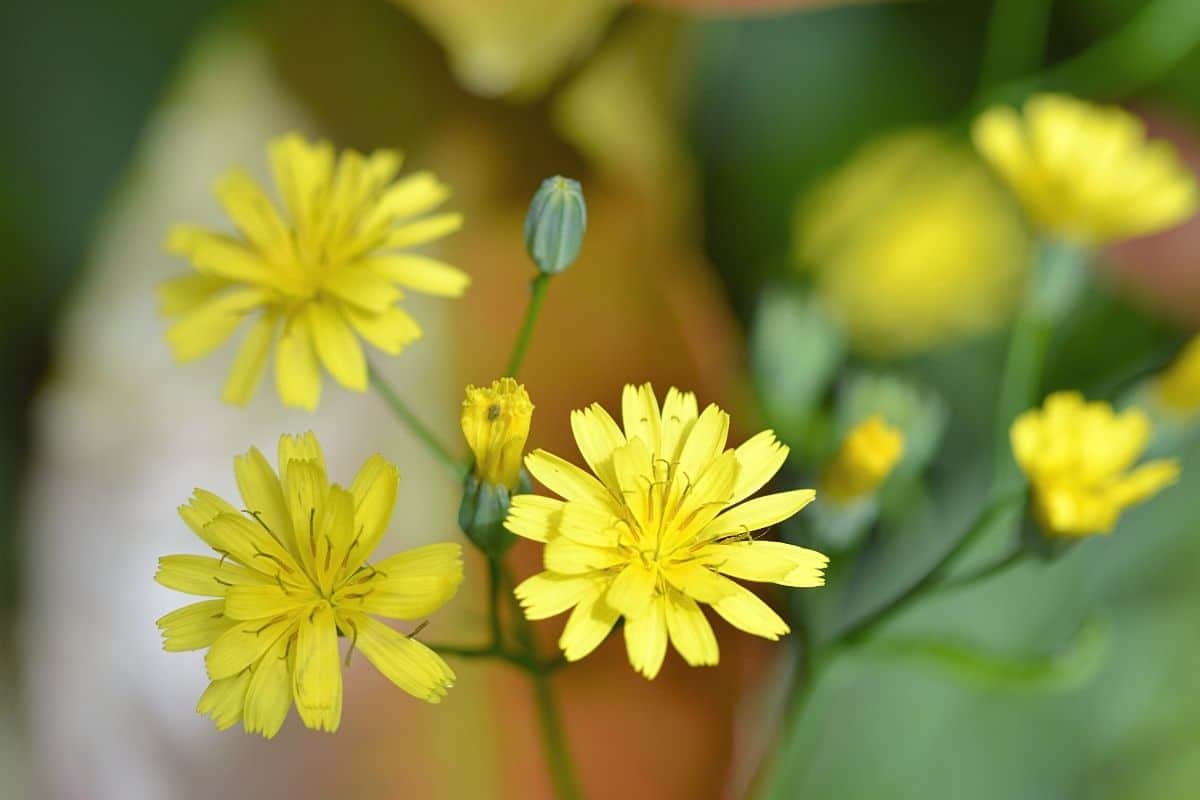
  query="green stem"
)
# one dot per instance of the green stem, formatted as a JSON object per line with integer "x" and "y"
{"x": 415, "y": 425}
{"x": 861, "y": 630}
{"x": 989, "y": 570}
{"x": 566, "y": 787}
{"x": 537, "y": 296}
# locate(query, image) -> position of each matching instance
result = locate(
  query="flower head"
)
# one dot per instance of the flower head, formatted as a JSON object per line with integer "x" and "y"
{"x": 495, "y": 422}
{"x": 315, "y": 278}
{"x": 1085, "y": 172}
{"x": 1178, "y": 388}
{"x": 912, "y": 245}
{"x": 866, "y": 457}
{"x": 1077, "y": 456}
{"x": 656, "y": 527}
{"x": 292, "y": 575}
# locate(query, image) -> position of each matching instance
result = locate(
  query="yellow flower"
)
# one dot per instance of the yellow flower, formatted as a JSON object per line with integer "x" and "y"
{"x": 867, "y": 456}
{"x": 314, "y": 279}
{"x": 1178, "y": 388}
{"x": 1078, "y": 455}
{"x": 652, "y": 531}
{"x": 495, "y": 422}
{"x": 1086, "y": 173}
{"x": 291, "y": 576}
{"x": 912, "y": 245}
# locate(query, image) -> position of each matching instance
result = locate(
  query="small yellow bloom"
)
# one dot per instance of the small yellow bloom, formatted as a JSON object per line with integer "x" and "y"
{"x": 495, "y": 422}
{"x": 1178, "y": 388}
{"x": 1086, "y": 173}
{"x": 656, "y": 527}
{"x": 1077, "y": 456}
{"x": 912, "y": 245}
{"x": 314, "y": 279}
{"x": 291, "y": 576}
{"x": 867, "y": 456}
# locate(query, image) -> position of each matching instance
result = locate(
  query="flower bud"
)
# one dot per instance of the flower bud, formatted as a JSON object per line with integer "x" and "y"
{"x": 555, "y": 224}
{"x": 495, "y": 422}
{"x": 867, "y": 456}
{"x": 482, "y": 511}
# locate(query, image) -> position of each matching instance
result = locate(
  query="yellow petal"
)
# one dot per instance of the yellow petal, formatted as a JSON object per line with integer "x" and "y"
{"x": 404, "y": 661}
{"x": 194, "y": 626}
{"x": 773, "y": 562}
{"x": 362, "y": 288}
{"x": 303, "y": 173}
{"x": 297, "y": 375}
{"x": 423, "y": 231}
{"x": 304, "y": 447}
{"x": 336, "y": 534}
{"x": 248, "y": 542}
{"x": 646, "y": 640}
{"x": 185, "y": 292}
{"x": 317, "y": 678}
{"x": 255, "y": 216}
{"x": 305, "y": 488}
{"x": 639, "y": 412}
{"x": 633, "y": 590}
{"x": 759, "y": 513}
{"x": 567, "y": 557}
{"x": 567, "y": 480}
{"x": 200, "y": 510}
{"x": 412, "y": 584}
{"x": 759, "y": 458}
{"x": 391, "y": 330}
{"x": 533, "y": 516}
{"x": 338, "y": 347}
{"x": 374, "y": 490}
{"x": 244, "y": 643}
{"x": 699, "y": 582}
{"x": 263, "y": 495}
{"x": 264, "y": 602}
{"x": 679, "y": 413}
{"x": 414, "y": 194}
{"x": 689, "y": 631}
{"x": 1146, "y": 481}
{"x": 269, "y": 693}
{"x": 588, "y": 626}
{"x": 210, "y": 324}
{"x": 704, "y": 442}
{"x": 597, "y": 436}
{"x": 220, "y": 256}
{"x": 547, "y": 594}
{"x": 205, "y": 576}
{"x": 250, "y": 362}
{"x": 224, "y": 700}
{"x": 742, "y": 609}
{"x": 420, "y": 273}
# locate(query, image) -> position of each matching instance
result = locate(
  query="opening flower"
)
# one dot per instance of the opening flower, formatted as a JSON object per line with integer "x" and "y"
{"x": 495, "y": 422}
{"x": 1084, "y": 172}
{"x": 656, "y": 528}
{"x": 292, "y": 574}
{"x": 315, "y": 278}
{"x": 1078, "y": 458}
{"x": 867, "y": 456}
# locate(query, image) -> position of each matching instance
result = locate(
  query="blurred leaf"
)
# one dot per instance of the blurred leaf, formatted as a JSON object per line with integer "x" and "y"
{"x": 1069, "y": 668}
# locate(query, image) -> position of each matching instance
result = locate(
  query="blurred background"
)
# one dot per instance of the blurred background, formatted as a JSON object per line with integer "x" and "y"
{"x": 744, "y": 163}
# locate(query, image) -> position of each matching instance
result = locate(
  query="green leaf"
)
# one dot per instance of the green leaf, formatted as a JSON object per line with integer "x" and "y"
{"x": 1069, "y": 668}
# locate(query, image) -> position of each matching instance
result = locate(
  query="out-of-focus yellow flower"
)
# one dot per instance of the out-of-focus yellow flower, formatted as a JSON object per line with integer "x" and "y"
{"x": 495, "y": 422}
{"x": 1178, "y": 388}
{"x": 913, "y": 245}
{"x": 316, "y": 278}
{"x": 866, "y": 457}
{"x": 1083, "y": 172}
{"x": 292, "y": 574}
{"x": 515, "y": 48}
{"x": 1078, "y": 458}
{"x": 656, "y": 528}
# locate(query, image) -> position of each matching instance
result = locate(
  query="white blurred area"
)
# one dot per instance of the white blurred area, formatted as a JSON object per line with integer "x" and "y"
{"x": 123, "y": 436}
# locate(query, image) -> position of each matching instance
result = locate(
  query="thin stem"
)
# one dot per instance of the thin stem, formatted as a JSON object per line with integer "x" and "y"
{"x": 494, "y": 577}
{"x": 415, "y": 425}
{"x": 989, "y": 570}
{"x": 538, "y": 294}
{"x": 861, "y": 630}
{"x": 562, "y": 774}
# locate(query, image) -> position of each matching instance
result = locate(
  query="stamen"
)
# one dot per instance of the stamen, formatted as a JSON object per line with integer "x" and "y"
{"x": 353, "y": 639}
{"x": 223, "y": 583}
{"x": 424, "y": 624}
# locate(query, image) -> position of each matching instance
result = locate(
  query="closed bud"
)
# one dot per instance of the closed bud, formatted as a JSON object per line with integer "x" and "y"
{"x": 555, "y": 224}
{"x": 867, "y": 456}
{"x": 482, "y": 511}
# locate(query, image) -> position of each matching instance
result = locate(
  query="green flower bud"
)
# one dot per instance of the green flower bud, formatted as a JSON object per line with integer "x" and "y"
{"x": 482, "y": 512}
{"x": 555, "y": 224}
